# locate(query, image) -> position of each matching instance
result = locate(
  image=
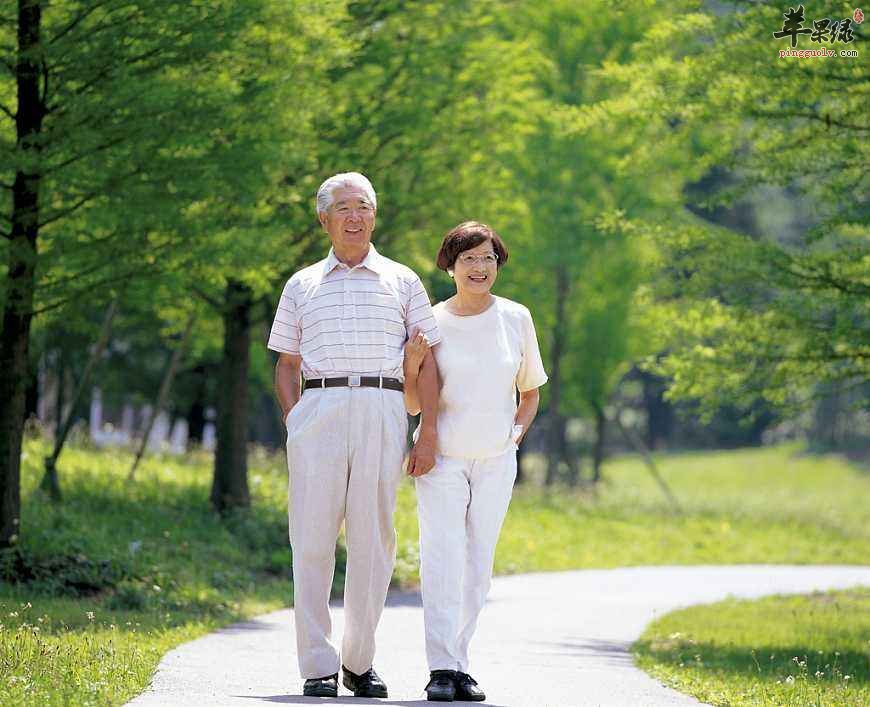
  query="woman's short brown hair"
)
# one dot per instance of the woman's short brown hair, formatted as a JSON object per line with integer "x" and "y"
{"x": 465, "y": 236}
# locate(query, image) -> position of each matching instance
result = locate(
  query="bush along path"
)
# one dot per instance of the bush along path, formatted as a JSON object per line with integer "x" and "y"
{"x": 559, "y": 639}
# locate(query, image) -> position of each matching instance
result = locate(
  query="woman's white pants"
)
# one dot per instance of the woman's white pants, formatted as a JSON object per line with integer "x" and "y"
{"x": 461, "y": 505}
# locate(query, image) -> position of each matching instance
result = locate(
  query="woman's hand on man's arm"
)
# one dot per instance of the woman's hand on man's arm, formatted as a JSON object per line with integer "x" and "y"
{"x": 416, "y": 349}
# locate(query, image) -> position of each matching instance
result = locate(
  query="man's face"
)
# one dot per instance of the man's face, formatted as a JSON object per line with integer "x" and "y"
{"x": 350, "y": 220}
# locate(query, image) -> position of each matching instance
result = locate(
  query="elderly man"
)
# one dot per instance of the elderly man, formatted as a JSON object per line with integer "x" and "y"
{"x": 342, "y": 324}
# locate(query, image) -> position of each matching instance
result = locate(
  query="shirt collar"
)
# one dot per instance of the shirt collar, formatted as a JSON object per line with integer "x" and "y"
{"x": 373, "y": 261}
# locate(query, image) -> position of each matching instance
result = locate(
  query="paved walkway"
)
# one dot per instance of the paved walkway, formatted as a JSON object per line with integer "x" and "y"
{"x": 544, "y": 640}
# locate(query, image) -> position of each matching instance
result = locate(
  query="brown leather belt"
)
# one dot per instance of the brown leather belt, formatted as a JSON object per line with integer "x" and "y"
{"x": 355, "y": 382}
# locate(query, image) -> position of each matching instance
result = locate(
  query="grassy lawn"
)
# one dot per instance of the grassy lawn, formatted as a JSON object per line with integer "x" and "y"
{"x": 784, "y": 650}
{"x": 745, "y": 506}
{"x": 151, "y": 565}
{"x": 145, "y": 566}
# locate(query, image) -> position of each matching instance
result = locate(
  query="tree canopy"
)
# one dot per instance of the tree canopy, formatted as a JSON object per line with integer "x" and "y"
{"x": 677, "y": 194}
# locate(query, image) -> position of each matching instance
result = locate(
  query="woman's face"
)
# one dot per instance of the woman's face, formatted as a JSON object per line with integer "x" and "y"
{"x": 476, "y": 269}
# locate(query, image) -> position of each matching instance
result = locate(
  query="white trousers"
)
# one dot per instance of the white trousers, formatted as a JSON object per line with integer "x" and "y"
{"x": 461, "y": 505}
{"x": 345, "y": 448}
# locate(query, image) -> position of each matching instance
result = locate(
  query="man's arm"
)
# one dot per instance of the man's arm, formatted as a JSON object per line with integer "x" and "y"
{"x": 422, "y": 457}
{"x": 288, "y": 381}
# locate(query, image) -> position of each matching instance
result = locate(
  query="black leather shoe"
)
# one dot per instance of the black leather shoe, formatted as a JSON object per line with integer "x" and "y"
{"x": 442, "y": 686}
{"x": 321, "y": 687}
{"x": 467, "y": 689}
{"x": 366, "y": 685}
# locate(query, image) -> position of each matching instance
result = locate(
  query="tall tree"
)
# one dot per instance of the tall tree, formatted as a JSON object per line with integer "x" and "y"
{"x": 107, "y": 123}
{"x": 414, "y": 101}
{"x": 23, "y": 219}
{"x": 776, "y": 309}
{"x": 260, "y": 225}
{"x": 582, "y": 270}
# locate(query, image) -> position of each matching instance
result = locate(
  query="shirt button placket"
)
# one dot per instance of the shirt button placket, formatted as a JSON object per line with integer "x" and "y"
{"x": 348, "y": 315}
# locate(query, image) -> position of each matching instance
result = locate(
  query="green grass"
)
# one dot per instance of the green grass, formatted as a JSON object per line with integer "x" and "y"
{"x": 783, "y": 650}
{"x": 745, "y": 506}
{"x": 183, "y": 572}
{"x": 173, "y": 570}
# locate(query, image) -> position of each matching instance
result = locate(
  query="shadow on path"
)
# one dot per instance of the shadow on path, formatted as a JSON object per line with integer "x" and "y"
{"x": 615, "y": 653}
{"x": 244, "y": 627}
{"x": 302, "y": 700}
{"x": 394, "y": 598}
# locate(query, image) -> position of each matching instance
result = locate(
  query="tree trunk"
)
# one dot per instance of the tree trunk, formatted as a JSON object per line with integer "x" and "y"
{"x": 163, "y": 393}
{"x": 20, "y": 278}
{"x": 50, "y": 482}
{"x": 230, "y": 485}
{"x": 823, "y": 433}
{"x": 521, "y": 475}
{"x": 31, "y": 394}
{"x": 575, "y": 467}
{"x": 60, "y": 397}
{"x": 196, "y": 413}
{"x": 556, "y": 447}
{"x": 598, "y": 450}
{"x": 637, "y": 443}
{"x": 659, "y": 412}
{"x": 556, "y": 424}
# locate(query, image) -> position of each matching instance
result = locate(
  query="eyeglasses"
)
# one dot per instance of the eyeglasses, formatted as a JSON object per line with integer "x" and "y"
{"x": 470, "y": 260}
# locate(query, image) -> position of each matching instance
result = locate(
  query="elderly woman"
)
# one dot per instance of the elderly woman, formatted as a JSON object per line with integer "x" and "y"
{"x": 488, "y": 351}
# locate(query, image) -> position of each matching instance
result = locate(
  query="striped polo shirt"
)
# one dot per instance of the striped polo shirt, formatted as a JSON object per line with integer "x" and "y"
{"x": 352, "y": 321}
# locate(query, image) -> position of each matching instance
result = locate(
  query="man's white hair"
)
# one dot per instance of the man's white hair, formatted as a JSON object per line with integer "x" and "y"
{"x": 345, "y": 179}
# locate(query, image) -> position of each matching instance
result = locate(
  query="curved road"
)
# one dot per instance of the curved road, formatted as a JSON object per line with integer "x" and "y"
{"x": 558, "y": 639}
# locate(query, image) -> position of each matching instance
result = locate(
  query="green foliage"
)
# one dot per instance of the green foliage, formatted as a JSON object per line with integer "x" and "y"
{"x": 131, "y": 136}
{"x": 795, "y": 650}
{"x": 65, "y": 575}
{"x": 165, "y": 156}
{"x": 280, "y": 73}
{"x": 773, "y": 310}
{"x": 579, "y": 271}
{"x": 175, "y": 160}
{"x": 598, "y": 140}
{"x": 291, "y": 94}
{"x": 386, "y": 85}
{"x": 433, "y": 94}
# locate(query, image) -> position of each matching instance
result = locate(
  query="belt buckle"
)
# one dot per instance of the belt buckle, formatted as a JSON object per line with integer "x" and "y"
{"x": 353, "y": 381}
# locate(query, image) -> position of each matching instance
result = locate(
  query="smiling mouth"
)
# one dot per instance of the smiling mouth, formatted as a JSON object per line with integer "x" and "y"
{"x": 478, "y": 278}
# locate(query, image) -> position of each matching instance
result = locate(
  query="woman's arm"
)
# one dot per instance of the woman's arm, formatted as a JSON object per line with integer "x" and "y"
{"x": 530, "y": 377}
{"x": 415, "y": 351}
{"x": 526, "y": 410}
{"x": 422, "y": 456}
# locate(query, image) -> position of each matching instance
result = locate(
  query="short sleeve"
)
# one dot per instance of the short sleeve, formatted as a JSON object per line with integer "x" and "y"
{"x": 531, "y": 374}
{"x": 284, "y": 337}
{"x": 419, "y": 313}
